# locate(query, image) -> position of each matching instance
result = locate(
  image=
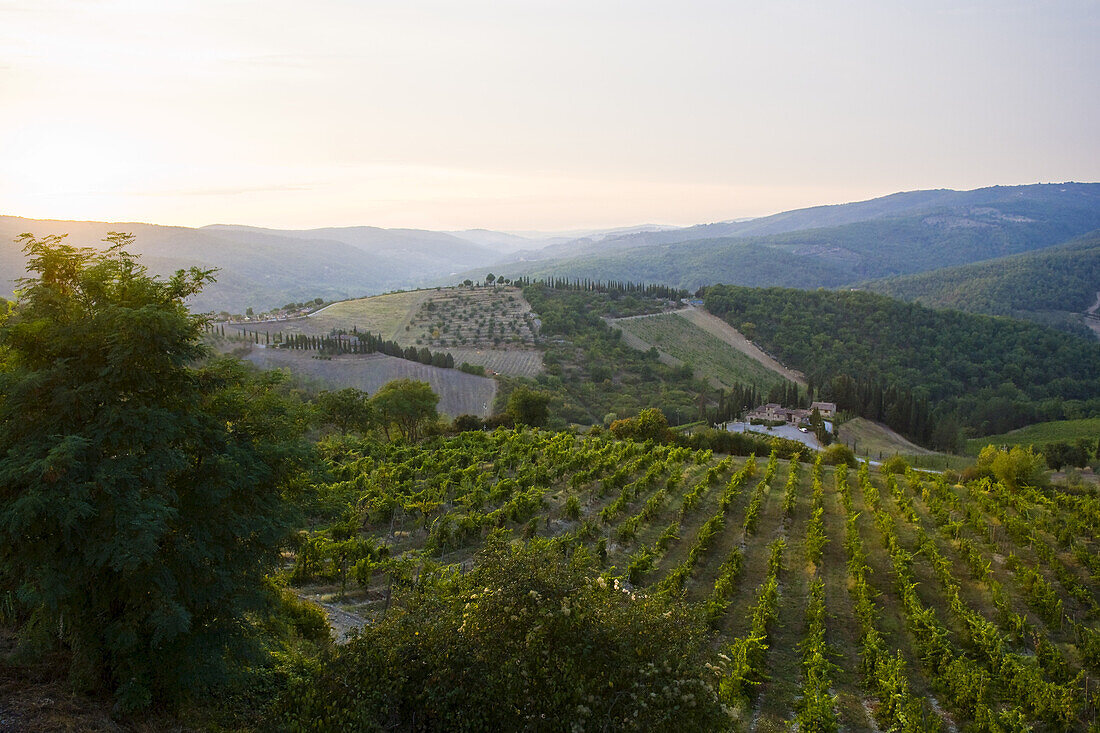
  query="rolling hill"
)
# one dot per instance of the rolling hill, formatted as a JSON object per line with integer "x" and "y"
{"x": 266, "y": 268}
{"x": 826, "y": 246}
{"x": 1053, "y": 286}
{"x": 948, "y": 231}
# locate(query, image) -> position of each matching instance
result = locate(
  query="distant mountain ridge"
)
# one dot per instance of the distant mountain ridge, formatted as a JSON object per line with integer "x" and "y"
{"x": 266, "y": 268}
{"x": 823, "y": 246}
{"x": 902, "y": 234}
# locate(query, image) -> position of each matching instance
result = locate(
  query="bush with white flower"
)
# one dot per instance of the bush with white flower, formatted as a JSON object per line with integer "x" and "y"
{"x": 531, "y": 639}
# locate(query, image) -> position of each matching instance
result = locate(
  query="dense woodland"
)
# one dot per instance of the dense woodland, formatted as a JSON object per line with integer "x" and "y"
{"x": 987, "y": 374}
{"x": 1051, "y": 287}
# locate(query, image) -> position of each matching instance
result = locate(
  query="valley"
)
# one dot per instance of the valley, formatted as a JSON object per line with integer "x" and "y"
{"x": 551, "y": 367}
{"x": 476, "y": 473}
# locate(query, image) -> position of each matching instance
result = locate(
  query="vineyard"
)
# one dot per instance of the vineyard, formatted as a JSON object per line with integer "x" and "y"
{"x": 838, "y": 598}
{"x": 459, "y": 393}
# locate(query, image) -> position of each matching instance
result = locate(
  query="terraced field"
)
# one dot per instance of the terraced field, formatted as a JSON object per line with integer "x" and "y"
{"x": 476, "y": 318}
{"x": 839, "y": 599}
{"x": 513, "y": 362}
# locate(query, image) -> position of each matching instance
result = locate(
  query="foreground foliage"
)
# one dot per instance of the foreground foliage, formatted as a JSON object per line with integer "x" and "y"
{"x": 531, "y": 639}
{"x": 140, "y": 495}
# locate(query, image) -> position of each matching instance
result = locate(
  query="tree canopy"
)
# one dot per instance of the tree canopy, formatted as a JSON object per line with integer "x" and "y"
{"x": 348, "y": 410}
{"x": 529, "y": 407}
{"x": 140, "y": 486}
{"x": 407, "y": 404}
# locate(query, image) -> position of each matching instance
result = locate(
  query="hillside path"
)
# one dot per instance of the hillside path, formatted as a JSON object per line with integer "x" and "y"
{"x": 721, "y": 330}
{"x": 343, "y": 623}
{"x": 718, "y": 328}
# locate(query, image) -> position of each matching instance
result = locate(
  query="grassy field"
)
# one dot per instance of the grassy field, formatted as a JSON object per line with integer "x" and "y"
{"x": 670, "y": 520}
{"x": 382, "y": 314}
{"x": 706, "y": 353}
{"x": 717, "y": 327}
{"x": 869, "y": 438}
{"x": 1041, "y": 434}
{"x": 459, "y": 393}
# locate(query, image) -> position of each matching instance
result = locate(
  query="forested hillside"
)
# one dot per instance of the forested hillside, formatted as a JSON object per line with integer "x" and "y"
{"x": 904, "y": 363}
{"x": 1052, "y": 286}
{"x": 948, "y": 232}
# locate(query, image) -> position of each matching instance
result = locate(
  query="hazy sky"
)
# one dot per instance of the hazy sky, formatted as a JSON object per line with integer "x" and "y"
{"x": 521, "y": 115}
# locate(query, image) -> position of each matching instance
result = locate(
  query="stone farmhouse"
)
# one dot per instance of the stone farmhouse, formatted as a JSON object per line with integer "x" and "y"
{"x": 774, "y": 412}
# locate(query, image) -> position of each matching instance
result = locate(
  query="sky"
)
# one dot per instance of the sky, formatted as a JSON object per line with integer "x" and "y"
{"x": 525, "y": 114}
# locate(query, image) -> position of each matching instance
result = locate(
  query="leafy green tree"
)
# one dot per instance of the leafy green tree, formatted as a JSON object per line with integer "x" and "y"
{"x": 529, "y": 407}
{"x": 837, "y": 454}
{"x": 464, "y": 423}
{"x": 1014, "y": 468}
{"x": 1056, "y": 454}
{"x": 406, "y": 404}
{"x": 348, "y": 410}
{"x": 650, "y": 424}
{"x": 140, "y": 493}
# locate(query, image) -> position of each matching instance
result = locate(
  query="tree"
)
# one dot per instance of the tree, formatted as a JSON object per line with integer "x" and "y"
{"x": 407, "y": 404}
{"x": 348, "y": 410}
{"x": 650, "y": 424}
{"x": 140, "y": 493}
{"x": 490, "y": 278}
{"x": 529, "y": 407}
{"x": 1015, "y": 467}
{"x": 464, "y": 423}
{"x": 1056, "y": 454}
